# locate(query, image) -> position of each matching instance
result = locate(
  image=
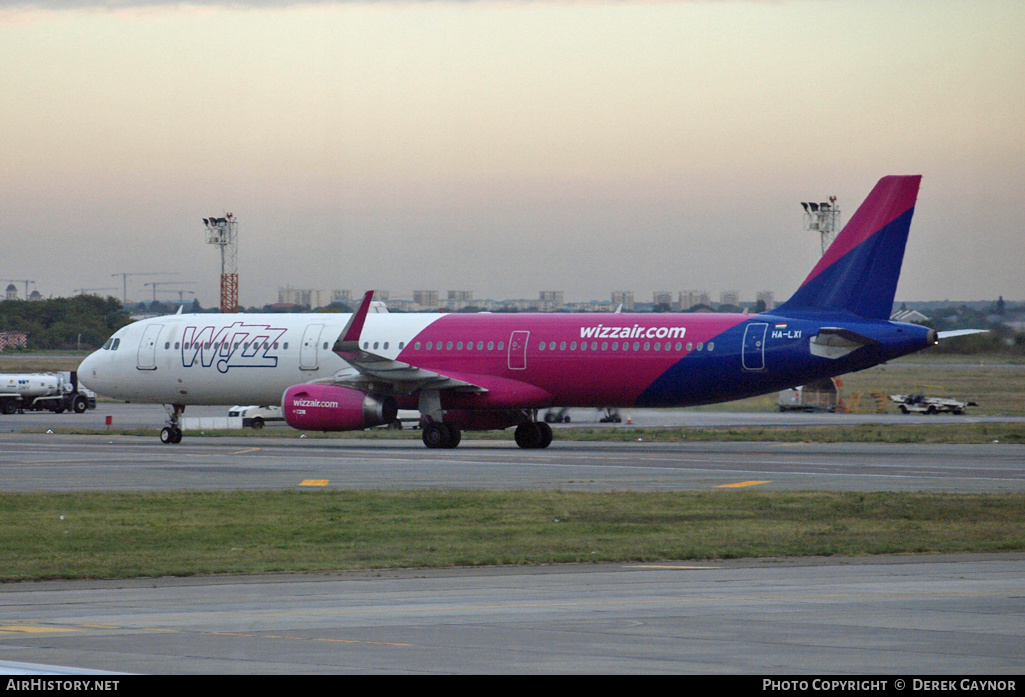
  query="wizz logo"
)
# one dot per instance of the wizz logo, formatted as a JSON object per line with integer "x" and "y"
{"x": 238, "y": 345}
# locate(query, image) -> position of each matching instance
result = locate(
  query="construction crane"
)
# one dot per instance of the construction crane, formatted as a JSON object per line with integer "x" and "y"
{"x": 224, "y": 233}
{"x": 124, "y": 280}
{"x": 181, "y": 294}
{"x": 166, "y": 283}
{"x": 20, "y": 280}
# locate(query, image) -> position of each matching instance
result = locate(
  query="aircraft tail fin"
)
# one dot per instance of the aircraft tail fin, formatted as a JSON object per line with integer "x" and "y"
{"x": 859, "y": 271}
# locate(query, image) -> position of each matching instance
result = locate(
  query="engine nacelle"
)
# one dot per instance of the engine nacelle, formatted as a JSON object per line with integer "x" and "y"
{"x": 333, "y": 408}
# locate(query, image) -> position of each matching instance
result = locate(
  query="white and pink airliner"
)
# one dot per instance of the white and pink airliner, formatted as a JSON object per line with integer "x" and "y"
{"x": 470, "y": 372}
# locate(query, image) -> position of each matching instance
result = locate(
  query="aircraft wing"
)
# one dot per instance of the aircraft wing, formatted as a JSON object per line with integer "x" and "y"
{"x": 371, "y": 372}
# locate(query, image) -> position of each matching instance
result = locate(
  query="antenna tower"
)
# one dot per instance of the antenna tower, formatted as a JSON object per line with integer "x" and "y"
{"x": 224, "y": 233}
{"x": 823, "y": 218}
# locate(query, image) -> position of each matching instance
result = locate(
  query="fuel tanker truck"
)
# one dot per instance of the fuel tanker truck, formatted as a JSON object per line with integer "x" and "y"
{"x": 56, "y": 392}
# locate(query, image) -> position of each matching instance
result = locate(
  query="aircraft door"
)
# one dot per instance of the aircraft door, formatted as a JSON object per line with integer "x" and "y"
{"x": 147, "y": 356}
{"x": 518, "y": 350}
{"x": 754, "y": 346}
{"x": 308, "y": 350}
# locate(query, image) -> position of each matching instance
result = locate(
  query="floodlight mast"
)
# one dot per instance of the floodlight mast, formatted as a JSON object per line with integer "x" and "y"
{"x": 224, "y": 233}
{"x": 823, "y": 218}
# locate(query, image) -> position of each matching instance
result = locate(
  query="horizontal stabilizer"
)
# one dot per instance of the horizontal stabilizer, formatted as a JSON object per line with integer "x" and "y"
{"x": 959, "y": 332}
{"x": 837, "y": 342}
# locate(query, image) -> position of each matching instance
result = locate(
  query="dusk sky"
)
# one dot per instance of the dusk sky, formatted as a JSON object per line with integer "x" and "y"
{"x": 504, "y": 147}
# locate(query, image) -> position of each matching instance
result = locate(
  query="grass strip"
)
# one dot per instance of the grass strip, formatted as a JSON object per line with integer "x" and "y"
{"x": 76, "y": 536}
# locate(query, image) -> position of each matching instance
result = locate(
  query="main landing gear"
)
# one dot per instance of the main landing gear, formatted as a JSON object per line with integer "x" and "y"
{"x": 172, "y": 432}
{"x": 438, "y": 434}
{"x": 533, "y": 435}
{"x": 529, "y": 435}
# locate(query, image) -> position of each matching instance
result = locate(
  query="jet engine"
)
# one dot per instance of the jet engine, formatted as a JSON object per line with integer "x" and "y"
{"x": 334, "y": 408}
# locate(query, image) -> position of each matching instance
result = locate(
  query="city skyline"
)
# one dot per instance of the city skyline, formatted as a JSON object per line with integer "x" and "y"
{"x": 514, "y": 146}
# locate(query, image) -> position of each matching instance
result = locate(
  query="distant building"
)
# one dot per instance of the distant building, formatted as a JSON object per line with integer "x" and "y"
{"x": 307, "y": 297}
{"x": 730, "y": 297}
{"x": 551, "y": 300}
{"x": 460, "y": 295}
{"x": 766, "y": 296}
{"x": 693, "y": 298}
{"x": 425, "y": 298}
{"x": 662, "y": 297}
{"x": 624, "y": 298}
{"x": 12, "y": 292}
{"x": 909, "y": 316}
{"x": 341, "y": 296}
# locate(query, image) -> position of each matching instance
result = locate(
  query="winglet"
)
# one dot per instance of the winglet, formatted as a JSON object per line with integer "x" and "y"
{"x": 348, "y": 340}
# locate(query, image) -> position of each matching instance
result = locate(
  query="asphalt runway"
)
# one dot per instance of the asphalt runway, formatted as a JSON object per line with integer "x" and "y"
{"x": 907, "y": 616}
{"x": 899, "y": 617}
{"x": 63, "y": 463}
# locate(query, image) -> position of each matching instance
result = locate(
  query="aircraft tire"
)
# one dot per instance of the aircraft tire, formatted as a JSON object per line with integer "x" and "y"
{"x": 454, "y": 436}
{"x": 528, "y": 435}
{"x": 436, "y": 435}
{"x": 167, "y": 435}
{"x": 546, "y": 435}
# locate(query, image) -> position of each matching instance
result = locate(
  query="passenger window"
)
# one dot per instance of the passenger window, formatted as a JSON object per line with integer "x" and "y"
{"x": 491, "y": 345}
{"x": 711, "y": 346}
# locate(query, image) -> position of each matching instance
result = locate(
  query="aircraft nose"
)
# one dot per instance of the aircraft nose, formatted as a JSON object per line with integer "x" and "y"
{"x": 89, "y": 371}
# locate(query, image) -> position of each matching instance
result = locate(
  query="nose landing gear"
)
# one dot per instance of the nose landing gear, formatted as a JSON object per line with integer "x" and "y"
{"x": 172, "y": 432}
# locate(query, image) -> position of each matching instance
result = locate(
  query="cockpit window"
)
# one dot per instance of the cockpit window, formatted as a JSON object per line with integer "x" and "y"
{"x": 117, "y": 342}
{"x": 106, "y": 346}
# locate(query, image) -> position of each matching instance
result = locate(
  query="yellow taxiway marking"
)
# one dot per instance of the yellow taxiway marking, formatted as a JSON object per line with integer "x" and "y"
{"x": 28, "y": 629}
{"x": 740, "y": 484}
{"x": 313, "y": 482}
{"x": 672, "y": 566}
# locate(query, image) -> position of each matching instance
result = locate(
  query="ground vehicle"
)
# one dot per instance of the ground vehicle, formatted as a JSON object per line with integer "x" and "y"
{"x": 822, "y": 395}
{"x": 254, "y": 416}
{"x": 56, "y": 392}
{"x": 557, "y": 416}
{"x": 920, "y": 404}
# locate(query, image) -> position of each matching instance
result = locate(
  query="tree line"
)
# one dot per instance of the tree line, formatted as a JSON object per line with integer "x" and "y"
{"x": 80, "y": 322}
